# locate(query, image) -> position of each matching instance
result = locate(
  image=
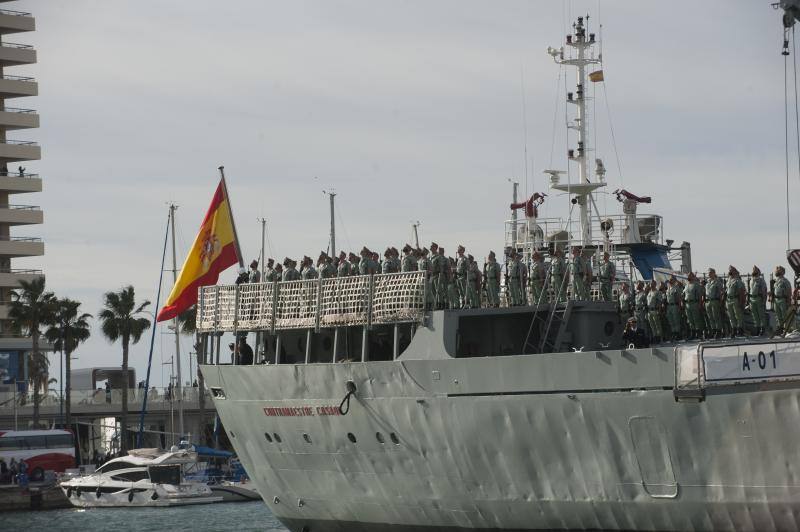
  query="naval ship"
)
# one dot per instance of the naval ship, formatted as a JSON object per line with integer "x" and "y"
{"x": 371, "y": 412}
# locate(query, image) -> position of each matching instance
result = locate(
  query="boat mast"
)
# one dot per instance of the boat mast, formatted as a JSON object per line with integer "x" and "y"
{"x": 515, "y": 185}
{"x": 414, "y": 226}
{"x": 332, "y": 250}
{"x": 585, "y": 187}
{"x": 263, "y": 239}
{"x": 176, "y": 324}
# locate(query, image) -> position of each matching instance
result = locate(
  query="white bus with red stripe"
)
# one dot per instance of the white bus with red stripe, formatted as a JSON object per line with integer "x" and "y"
{"x": 41, "y": 450}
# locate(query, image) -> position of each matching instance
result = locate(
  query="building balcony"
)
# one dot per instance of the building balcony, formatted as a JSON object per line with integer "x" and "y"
{"x": 21, "y": 246}
{"x": 18, "y": 86}
{"x": 13, "y": 118}
{"x": 17, "y": 183}
{"x": 10, "y": 278}
{"x": 15, "y": 21}
{"x": 20, "y": 214}
{"x": 19, "y": 150}
{"x": 13, "y": 54}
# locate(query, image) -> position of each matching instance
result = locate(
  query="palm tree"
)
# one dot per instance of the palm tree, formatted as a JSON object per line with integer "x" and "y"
{"x": 121, "y": 320}
{"x": 30, "y": 308}
{"x": 67, "y": 331}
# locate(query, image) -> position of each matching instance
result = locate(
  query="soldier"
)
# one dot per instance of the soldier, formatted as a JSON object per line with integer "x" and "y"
{"x": 577, "y": 271}
{"x": 409, "y": 263}
{"x": 328, "y": 270}
{"x": 557, "y": 278}
{"x": 674, "y": 308}
{"x": 536, "y": 279}
{"x": 691, "y": 304}
{"x": 492, "y": 280}
{"x": 452, "y": 297}
{"x": 655, "y": 304}
{"x": 277, "y": 273}
{"x": 444, "y": 280}
{"x": 712, "y": 304}
{"x": 626, "y": 302}
{"x": 735, "y": 298}
{"x": 366, "y": 266}
{"x": 269, "y": 270}
{"x": 462, "y": 265}
{"x": 424, "y": 265}
{"x": 514, "y": 280}
{"x": 782, "y": 293}
{"x": 355, "y": 264}
{"x": 388, "y": 264}
{"x": 641, "y": 305}
{"x": 608, "y": 274}
{"x": 307, "y": 269}
{"x": 343, "y": 269}
{"x": 254, "y": 276}
{"x": 396, "y": 265}
{"x": 290, "y": 273}
{"x": 757, "y": 294}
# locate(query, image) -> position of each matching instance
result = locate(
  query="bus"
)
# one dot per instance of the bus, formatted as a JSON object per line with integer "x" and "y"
{"x": 42, "y": 450}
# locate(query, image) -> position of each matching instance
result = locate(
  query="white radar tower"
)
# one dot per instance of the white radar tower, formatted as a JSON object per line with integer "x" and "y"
{"x": 580, "y": 56}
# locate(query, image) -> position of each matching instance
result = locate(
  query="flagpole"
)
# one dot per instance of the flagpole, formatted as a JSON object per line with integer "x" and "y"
{"x": 233, "y": 224}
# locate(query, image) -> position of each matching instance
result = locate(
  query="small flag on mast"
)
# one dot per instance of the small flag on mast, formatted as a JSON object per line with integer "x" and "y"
{"x": 596, "y": 76}
{"x": 215, "y": 248}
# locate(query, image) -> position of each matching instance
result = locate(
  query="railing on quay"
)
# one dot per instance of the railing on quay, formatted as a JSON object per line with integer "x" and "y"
{"x": 313, "y": 304}
{"x": 157, "y": 399}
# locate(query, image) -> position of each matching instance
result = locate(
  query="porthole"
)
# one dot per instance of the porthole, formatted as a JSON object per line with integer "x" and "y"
{"x": 268, "y": 437}
{"x": 379, "y": 437}
{"x": 277, "y": 438}
{"x": 307, "y": 437}
{"x": 351, "y": 437}
{"x": 394, "y": 438}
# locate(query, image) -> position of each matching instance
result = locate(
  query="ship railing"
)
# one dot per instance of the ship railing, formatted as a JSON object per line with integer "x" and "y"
{"x": 359, "y": 300}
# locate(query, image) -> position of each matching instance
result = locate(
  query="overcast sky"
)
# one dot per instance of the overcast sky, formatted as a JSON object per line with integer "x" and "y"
{"x": 410, "y": 110}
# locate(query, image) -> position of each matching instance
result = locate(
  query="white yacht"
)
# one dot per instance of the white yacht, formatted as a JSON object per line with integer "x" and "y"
{"x": 146, "y": 477}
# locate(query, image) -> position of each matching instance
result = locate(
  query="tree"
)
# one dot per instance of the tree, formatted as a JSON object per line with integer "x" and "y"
{"x": 68, "y": 330}
{"x": 121, "y": 319}
{"x": 30, "y": 308}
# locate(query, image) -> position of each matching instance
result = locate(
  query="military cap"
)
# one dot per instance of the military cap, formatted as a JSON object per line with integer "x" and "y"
{"x": 433, "y": 245}
{"x": 461, "y": 248}
{"x": 254, "y": 263}
{"x": 491, "y": 254}
{"x": 424, "y": 251}
{"x": 691, "y": 276}
{"x": 342, "y": 255}
{"x": 271, "y": 261}
{"x": 756, "y": 270}
{"x": 407, "y": 248}
{"x": 712, "y": 270}
{"x": 732, "y": 269}
{"x": 470, "y": 257}
{"x": 780, "y": 270}
{"x": 287, "y": 261}
{"x": 365, "y": 250}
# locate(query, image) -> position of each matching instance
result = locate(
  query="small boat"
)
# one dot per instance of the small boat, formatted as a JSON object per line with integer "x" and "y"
{"x": 146, "y": 477}
{"x": 223, "y": 473}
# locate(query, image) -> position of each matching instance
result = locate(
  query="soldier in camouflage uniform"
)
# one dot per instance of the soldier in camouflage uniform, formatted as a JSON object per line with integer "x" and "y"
{"x": 557, "y": 278}
{"x": 445, "y": 279}
{"x": 270, "y": 268}
{"x": 577, "y": 271}
{"x": 492, "y": 281}
{"x": 514, "y": 279}
{"x": 453, "y": 297}
{"x": 640, "y": 300}
{"x": 367, "y": 265}
{"x": 692, "y": 296}
{"x": 290, "y": 273}
{"x": 462, "y": 265}
{"x": 343, "y": 269}
{"x": 388, "y": 262}
{"x": 655, "y": 304}
{"x": 424, "y": 265}
{"x": 757, "y": 294}
{"x": 328, "y": 270}
{"x": 781, "y": 298}
{"x": 355, "y": 264}
{"x": 608, "y": 274}
{"x": 713, "y": 305}
{"x": 537, "y": 278}
{"x": 308, "y": 271}
{"x": 735, "y": 298}
{"x": 473, "y": 283}
{"x": 626, "y": 302}
{"x": 409, "y": 263}
{"x": 674, "y": 308}
{"x": 277, "y": 273}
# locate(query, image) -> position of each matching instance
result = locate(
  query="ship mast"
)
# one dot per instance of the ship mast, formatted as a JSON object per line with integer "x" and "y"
{"x": 176, "y": 324}
{"x": 332, "y": 250}
{"x": 583, "y": 190}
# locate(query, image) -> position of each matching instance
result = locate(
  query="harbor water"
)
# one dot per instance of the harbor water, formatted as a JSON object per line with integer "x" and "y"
{"x": 243, "y": 516}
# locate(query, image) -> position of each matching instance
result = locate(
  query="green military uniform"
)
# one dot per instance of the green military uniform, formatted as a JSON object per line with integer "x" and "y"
{"x": 408, "y": 264}
{"x": 674, "y": 310}
{"x": 424, "y": 265}
{"x": 514, "y": 280}
{"x": 536, "y": 281}
{"x": 691, "y": 299}
{"x": 493, "y": 282}
{"x": 557, "y": 271}
{"x": 757, "y": 294}
{"x": 783, "y": 294}
{"x": 734, "y": 292}
{"x": 608, "y": 271}
{"x": 462, "y": 264}
{"x": 344, "y": 268}
{"x": 453, "y": 296}
{"x": 626, "y": 303}
{"x": 473, "y": 282}
{"x": 309, "y": 272}
{"x": 713, "y": 305}
{"x": 439, "y": 266}
{"x": 655, "y": 300}
{"x": 641, "y": 308}
{"x": 577, "y": 272}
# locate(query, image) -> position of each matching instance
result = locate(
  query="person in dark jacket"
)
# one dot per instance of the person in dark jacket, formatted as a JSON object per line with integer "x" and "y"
{"x": 633, "y": 335}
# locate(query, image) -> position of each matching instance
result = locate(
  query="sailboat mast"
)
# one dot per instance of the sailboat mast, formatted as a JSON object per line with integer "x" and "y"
{"x": 178, "y": 391}
{"x": 332, "y": 251}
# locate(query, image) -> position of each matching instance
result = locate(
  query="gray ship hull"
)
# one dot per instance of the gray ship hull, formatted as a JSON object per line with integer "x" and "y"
{"x": 587, "y": 440}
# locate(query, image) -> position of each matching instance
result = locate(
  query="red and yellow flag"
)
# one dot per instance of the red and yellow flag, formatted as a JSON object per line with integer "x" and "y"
{"x": 215, "y": 248}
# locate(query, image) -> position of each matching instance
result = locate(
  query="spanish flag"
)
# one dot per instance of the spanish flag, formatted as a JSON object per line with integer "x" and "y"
{"x": 215, "y": 248}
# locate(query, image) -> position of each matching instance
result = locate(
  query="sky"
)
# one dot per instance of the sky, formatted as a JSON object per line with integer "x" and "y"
{"x": 409, "y": 109}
